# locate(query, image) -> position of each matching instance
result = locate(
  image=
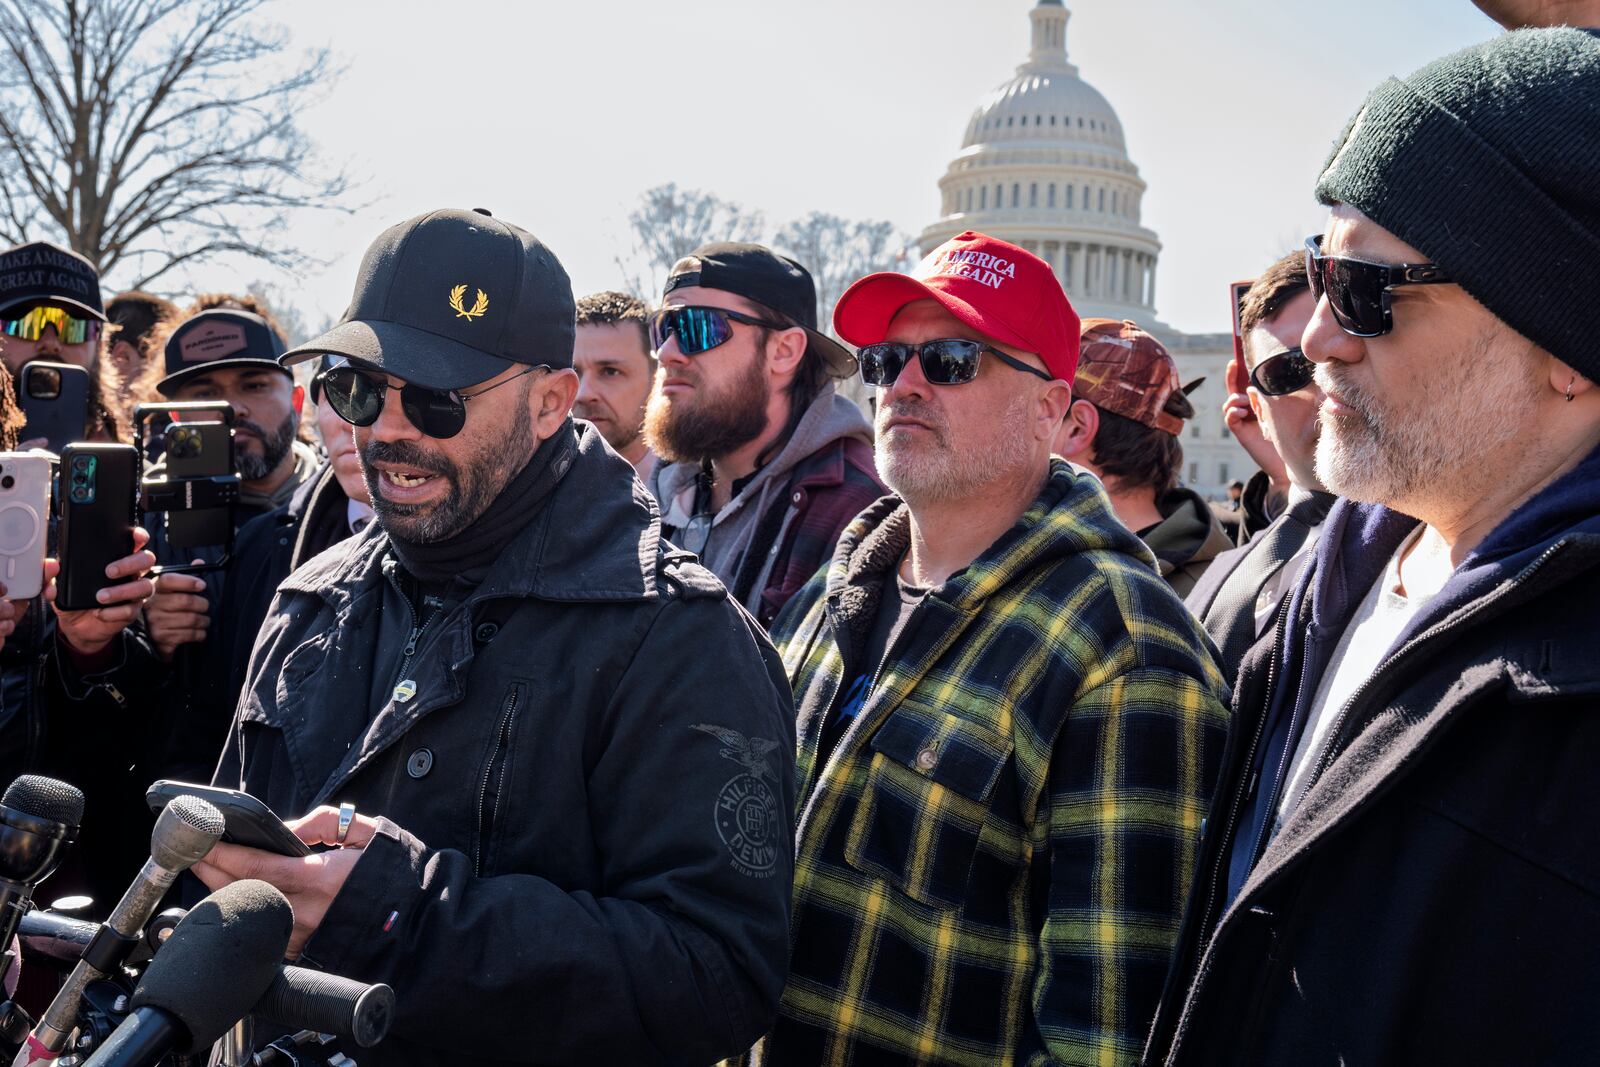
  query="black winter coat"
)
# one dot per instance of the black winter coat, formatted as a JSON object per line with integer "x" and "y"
{"x": 1435, "y": 897}
{"x": 586, "y": 853}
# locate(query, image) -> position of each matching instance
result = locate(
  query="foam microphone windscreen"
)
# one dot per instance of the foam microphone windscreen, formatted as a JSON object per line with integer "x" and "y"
{"x": 219, "y": 961}
{"x": 45, "y": 798}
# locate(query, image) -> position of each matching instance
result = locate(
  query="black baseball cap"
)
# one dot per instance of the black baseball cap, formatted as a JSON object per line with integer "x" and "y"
{"x": 452, "y": 298}
{"x": 757, "y": 273}
{"x": 41, "y": 273}
{"x": 220, "y": 337}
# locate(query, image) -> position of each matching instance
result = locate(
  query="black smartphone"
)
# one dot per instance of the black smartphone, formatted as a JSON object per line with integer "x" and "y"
{"x": 250, "y": 822}
{"x": 55, "y": 403}
{"x": 99, "y": 493}
{"x": 199, "y": 450}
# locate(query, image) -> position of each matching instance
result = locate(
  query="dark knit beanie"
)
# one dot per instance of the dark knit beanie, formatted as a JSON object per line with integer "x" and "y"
{"x": 1488, "y": 162}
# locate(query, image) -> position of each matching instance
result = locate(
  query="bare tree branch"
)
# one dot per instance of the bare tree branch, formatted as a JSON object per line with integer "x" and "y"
{"x": 837, "y": 251}
{"x": 154, "y": 134}
{"x": 669, "y": 223}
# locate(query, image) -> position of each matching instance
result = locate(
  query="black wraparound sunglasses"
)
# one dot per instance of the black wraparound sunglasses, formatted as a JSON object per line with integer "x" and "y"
{"x": 357, "y": 397}
{"x": 947, "y": 361}
{"x": 1283, "y": 373}
{"x": 1358, "y": 291}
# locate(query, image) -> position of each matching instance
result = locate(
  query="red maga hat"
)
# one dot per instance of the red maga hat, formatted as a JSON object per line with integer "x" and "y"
{"x": 996, "y": 288}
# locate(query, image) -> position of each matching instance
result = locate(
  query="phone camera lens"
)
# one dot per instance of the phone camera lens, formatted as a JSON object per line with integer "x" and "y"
{"x": 7, "y": 482}
{"x": 80, "y": 463}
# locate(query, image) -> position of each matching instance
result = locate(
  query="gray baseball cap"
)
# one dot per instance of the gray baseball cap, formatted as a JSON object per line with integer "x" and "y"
{"x": 450, "y": 299}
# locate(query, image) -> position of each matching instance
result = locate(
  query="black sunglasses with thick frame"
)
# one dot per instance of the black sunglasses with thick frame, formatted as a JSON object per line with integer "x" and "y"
{"x": 1282, "y": 373}
{"x": 700, "y": 329}
{"x": 357, "y": 396}
{"x": 1358, "y": 292}
{"x": 945, "y": 361}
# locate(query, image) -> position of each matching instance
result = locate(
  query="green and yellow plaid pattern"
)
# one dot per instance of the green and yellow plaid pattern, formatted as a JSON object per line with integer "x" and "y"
{"x": 992, "y": 864}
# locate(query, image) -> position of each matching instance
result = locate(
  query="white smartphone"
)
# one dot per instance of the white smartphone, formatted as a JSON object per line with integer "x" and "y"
{"x": 24, "y": 522}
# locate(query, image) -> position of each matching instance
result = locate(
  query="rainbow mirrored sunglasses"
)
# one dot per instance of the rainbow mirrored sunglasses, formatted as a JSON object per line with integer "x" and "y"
{"x": 30, "y": 327}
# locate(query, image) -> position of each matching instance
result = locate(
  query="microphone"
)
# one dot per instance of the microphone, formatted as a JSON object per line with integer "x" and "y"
{"x": 185, "y": 831}
{"x": 216, "y": 965}
{"x": 39, "y": 817}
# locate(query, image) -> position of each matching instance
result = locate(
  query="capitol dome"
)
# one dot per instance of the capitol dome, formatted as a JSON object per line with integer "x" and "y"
{"x": 1044, "y": 165}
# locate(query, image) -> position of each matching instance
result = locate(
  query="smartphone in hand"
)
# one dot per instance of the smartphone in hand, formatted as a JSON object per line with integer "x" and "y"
{"x": 250, "y": 822}
{"x": 55, "y": 403}
{"x": 24, "y": 522}
{"x": 98, "y": 494}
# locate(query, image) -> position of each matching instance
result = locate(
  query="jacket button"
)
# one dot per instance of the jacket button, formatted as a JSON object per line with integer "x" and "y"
{"x": 485, "y": 633}
{"x": 926, "y": 759}
{"x": 799, "y": 497}
{"x": 420, "y": 763}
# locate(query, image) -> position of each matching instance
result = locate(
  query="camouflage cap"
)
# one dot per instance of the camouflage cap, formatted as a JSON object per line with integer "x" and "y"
{"x": 1123, "y": 369}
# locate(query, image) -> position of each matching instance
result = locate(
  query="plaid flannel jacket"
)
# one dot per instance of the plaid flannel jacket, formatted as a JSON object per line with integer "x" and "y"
{"x": 992, "y": 865}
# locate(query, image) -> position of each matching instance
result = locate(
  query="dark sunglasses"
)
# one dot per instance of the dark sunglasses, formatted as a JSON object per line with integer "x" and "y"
{"x": 1358, "y": 291}
{"x": 357, "y": 398}
{"x": 1283, "y": 373}
{"x": 700, "y": 329}
{"x": 948, "y": 361}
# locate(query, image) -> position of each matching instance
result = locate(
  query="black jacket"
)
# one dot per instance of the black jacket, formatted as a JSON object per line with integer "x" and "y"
{"x": 586, "y": 853}
{"x": 1435, "y": 897}
{"x": 267, "y": 549}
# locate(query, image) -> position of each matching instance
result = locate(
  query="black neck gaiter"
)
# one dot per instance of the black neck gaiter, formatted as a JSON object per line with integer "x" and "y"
{"x": 468, "y": 555}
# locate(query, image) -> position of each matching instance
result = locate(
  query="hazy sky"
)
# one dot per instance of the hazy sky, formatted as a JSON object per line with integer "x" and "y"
{"x": 557, "y": 115}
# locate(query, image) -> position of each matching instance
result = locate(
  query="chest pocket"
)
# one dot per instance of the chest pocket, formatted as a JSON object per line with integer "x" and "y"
{"x": 925, "y": 802}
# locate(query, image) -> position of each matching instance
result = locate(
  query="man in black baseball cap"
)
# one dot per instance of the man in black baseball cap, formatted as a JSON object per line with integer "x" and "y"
{"x": 543, "y": 805}
{"x": 50, "y": 306}
{"x": 230, "y": 355}
{"x": 764, "y": 462}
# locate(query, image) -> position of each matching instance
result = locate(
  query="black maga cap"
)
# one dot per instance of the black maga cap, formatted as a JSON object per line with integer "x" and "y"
{"x": 219, "y": 960}
{"x": 757, "y": 273}
{"x": 220, "y": 337}
{"x": 41, "y": 273}
{"x": 452, "y": 298}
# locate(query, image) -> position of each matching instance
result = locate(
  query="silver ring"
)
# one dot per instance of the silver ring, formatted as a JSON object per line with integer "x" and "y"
{"x": 347, "y": 815}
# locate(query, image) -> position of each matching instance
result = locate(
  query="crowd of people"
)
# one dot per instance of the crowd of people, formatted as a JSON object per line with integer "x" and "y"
{"x": 647, "y": 699}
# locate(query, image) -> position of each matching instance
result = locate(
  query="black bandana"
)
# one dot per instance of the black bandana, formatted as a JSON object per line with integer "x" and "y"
{"x": 469, "y": 554}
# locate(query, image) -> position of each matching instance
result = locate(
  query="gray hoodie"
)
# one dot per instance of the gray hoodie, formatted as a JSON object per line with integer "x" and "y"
{"x": 829, "y": 418}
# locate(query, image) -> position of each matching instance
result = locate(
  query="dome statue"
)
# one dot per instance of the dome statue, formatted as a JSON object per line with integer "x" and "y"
{"x": 1044, "y": 165}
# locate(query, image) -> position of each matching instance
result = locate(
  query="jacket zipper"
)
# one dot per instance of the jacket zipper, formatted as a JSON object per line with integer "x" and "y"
{"x": 417, "y": 630}
{"x": 486, "y": 813}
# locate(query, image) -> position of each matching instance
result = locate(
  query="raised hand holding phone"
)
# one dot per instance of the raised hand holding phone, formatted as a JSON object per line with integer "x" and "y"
{"x": 90, "y": 631}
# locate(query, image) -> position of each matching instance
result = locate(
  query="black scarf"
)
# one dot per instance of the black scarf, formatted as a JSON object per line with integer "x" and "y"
{"x": 467, "y": 556}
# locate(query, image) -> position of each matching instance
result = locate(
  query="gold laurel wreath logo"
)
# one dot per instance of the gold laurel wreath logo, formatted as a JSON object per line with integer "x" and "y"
{"x": 479, "y": 306}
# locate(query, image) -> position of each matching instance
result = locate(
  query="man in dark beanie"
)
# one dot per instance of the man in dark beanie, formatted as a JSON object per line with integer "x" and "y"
{"x": 1406, "y": 872}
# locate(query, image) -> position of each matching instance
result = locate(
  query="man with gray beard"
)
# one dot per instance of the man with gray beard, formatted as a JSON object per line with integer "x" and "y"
{"x": 1406, "y": 873}
{"x": 1009, "y": 725}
